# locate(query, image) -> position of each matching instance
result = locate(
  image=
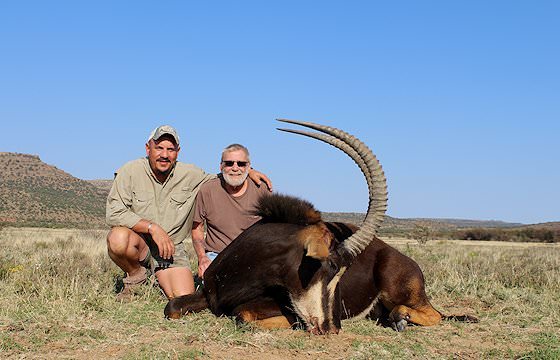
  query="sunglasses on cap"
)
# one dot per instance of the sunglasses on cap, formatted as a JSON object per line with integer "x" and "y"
{"x": 229, "y": 163}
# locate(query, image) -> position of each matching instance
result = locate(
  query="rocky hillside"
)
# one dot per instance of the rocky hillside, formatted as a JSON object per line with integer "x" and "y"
{"x": 104, "y": 185}
{"x": 33, "y": 193}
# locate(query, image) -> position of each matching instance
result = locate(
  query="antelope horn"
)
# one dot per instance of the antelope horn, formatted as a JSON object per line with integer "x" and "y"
{"x": 370, "y": 167}
{"x": 331, "y": 140}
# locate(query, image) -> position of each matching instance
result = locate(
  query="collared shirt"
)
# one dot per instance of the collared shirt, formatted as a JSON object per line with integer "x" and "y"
{"x": 137, "y": 194}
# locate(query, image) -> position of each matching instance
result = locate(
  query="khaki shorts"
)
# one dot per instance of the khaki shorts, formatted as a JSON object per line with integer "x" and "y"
{"x": 156, "y": 262}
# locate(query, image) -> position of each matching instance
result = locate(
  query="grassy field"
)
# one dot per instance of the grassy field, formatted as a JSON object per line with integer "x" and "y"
{"x": 57, "y": 301}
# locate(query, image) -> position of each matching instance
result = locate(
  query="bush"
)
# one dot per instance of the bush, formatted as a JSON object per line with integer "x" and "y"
{"x": 516, "y": 235}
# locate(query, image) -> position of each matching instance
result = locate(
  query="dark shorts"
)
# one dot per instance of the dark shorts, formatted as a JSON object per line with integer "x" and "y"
{"x": 156, "y": 262}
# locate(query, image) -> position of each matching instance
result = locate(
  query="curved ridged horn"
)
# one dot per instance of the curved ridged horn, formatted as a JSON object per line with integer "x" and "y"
{"x": 370, "y": 167}
{"x": 331, "y": 140}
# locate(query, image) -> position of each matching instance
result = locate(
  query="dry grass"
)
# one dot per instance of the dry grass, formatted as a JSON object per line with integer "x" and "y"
{"x": 57, "y": 301}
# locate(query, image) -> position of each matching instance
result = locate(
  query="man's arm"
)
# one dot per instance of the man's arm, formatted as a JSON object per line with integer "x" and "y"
{"x": 259, "y": 177}
{"x": 119, "y": 202}
{"x": 118, "y": 213}
{"x": 198, "y": 245}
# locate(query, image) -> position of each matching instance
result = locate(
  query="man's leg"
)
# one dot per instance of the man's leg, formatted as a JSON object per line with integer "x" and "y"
{"x": 127, "y": 249}
{"x": 175, "y": 281}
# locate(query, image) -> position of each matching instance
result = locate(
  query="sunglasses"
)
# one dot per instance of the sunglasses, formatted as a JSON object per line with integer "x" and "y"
{"x": 229, "y": 163}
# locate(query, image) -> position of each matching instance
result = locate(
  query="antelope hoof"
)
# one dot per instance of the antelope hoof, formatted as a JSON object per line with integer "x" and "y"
{"x": 171, "y": 311}
{"x": 173, "y": 316}
{"x": 399, "y": 325}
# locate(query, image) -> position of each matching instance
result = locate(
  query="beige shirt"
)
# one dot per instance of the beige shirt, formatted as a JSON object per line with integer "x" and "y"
{"x": 226, "y": 216}
{"x": 137, "y": 194}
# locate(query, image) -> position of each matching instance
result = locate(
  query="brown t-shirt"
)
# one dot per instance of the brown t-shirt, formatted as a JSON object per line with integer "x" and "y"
{"x": 226, "y": 216}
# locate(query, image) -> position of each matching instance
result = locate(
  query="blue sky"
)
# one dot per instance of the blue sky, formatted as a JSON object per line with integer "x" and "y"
{"x": 460, "y": 100}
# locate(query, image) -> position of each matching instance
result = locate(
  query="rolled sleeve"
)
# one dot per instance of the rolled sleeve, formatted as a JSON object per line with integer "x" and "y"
{"x": 119, "y": 202}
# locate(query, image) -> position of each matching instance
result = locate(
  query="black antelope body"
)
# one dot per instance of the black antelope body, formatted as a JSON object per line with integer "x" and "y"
{"x": 291, "y": 267}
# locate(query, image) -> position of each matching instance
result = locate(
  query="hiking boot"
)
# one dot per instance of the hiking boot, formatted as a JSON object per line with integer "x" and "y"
{"x": 131, "y": 284}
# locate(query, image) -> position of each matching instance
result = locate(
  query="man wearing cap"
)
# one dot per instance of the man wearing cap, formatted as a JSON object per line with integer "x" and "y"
{"x": 150, "y": 210}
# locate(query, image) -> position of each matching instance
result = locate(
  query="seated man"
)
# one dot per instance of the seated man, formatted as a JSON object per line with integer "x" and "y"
{"x": 225, "y": 205}
{"x": 150, "y": 208}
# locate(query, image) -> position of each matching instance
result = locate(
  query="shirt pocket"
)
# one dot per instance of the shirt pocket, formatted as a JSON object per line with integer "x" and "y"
{"x": 142, "y": 202}
{"x": 180, "y": 199}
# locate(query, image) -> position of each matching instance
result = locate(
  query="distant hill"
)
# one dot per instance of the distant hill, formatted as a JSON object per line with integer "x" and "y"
{"x": 553, "y": 225}
{"x": 33, "y": 193}
{"x": 401, "y": 225}
{"x": 424, "y": 229}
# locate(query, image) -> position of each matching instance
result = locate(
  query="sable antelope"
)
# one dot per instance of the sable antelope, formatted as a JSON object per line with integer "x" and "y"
{"x": 291, "y": 266}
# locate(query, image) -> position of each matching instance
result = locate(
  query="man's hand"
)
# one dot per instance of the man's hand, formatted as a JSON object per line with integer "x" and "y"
{"x": 259, "y": 177}
{"x": 163, "y": 241}
{"x": 203, "y": 263}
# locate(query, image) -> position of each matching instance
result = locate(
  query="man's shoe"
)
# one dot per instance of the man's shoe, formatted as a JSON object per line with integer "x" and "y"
{"x": 131, "y": 285}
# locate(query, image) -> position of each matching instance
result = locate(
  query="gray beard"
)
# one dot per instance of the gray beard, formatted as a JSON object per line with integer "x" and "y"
{"x": 235, "y": 182}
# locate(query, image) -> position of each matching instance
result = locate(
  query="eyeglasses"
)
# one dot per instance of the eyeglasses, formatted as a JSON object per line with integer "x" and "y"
{"x": 229, "y": 163}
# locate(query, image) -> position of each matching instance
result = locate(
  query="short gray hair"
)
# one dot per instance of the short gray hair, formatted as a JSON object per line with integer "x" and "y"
{"x": 236, "y": 147}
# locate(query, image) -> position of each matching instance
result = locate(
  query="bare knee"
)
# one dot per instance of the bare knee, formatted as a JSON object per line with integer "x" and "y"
{"x": 176, "y": 281}
{"x": 118, "y": 240}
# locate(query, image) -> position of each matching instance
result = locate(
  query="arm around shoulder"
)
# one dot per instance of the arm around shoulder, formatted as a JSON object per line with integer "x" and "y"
{"x": 259, "y": 177}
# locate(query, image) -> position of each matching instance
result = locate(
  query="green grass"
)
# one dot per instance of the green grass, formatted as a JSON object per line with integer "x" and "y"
{"x": 547, "y": 346}
{"x": 57, "y": 300}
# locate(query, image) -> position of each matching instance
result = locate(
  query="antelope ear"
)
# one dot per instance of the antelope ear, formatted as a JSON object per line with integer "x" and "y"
{"x": 316, "y": 239}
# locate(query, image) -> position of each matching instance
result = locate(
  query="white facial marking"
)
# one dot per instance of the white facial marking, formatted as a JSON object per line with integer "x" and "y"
{"x": 309, "y": 305}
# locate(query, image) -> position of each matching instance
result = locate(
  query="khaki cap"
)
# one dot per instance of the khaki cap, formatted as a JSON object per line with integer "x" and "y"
{"x": 162, "y": 130}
